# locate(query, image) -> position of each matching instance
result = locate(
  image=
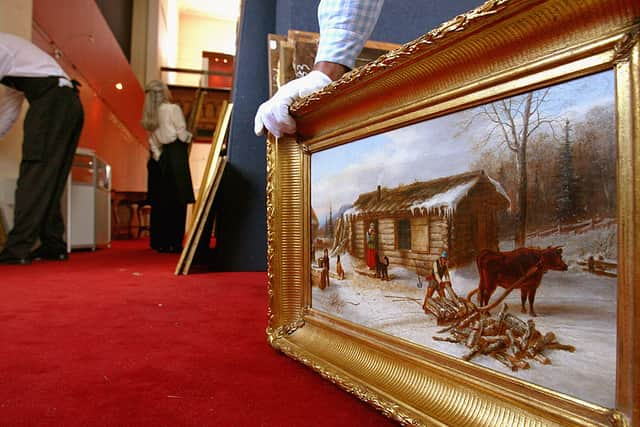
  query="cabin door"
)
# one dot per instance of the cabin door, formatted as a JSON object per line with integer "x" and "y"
{"x": 482, "y": 232}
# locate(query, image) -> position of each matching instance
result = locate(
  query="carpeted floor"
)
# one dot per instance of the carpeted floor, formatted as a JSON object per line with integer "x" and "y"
{"x": 113, "y": 338}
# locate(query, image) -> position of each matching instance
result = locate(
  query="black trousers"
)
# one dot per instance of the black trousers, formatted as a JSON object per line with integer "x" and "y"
{"x": 154, "y": 194}
{"x": 52, "y": 129}
{"x": 169, "y": 190}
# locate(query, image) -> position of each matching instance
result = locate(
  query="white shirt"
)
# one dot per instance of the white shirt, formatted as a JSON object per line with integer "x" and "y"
{"x": 171, "y": 127}
{"x": 21, "y": 58}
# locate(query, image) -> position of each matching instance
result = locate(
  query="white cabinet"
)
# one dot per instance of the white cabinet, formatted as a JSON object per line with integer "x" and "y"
{"x": 88, "y": 202}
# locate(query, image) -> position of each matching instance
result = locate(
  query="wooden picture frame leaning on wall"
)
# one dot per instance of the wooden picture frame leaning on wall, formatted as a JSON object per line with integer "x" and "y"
{"x": 194, "y": 114}
{"x": 210, "y": 181}
{"x": 498, "y": 50}
{"x": 216, "y": 148}
{"x": 292, "y": 56}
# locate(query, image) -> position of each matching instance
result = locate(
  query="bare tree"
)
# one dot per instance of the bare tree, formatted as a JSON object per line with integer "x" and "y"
{"x": 513, "y": 122}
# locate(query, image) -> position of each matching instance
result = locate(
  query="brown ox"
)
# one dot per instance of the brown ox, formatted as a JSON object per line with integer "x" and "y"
{"x": 526, "y": 265}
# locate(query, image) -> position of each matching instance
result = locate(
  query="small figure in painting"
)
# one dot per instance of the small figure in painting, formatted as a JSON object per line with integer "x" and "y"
{"x": 439, "y": 279}
{"x": 324, "y": 276}
{"x": 372, "y": 243}
{"x": 339, "y": 269}
{"x": 382, "y": 268}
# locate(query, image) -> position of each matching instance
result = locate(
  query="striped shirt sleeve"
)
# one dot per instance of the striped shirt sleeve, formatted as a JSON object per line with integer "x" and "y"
{"x": 345, "y": 26}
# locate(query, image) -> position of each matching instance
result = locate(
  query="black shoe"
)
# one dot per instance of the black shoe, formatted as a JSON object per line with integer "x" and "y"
{"x": 8, "y": 258}
{"x": 43, "y": 253}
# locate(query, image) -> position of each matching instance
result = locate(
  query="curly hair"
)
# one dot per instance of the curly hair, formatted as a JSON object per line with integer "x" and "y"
{"x": 155, "y": 93}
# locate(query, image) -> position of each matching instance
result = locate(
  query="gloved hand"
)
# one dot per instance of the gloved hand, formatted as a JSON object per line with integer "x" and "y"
{"x": 274, "y": 114}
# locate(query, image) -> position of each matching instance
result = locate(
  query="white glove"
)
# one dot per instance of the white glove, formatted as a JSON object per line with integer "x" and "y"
{"x": 274, "y": 114}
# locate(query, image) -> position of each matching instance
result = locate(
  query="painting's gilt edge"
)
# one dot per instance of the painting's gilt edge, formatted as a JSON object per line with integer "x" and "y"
{"x": 623, "y": 49}
{"x": 388, "y": 408}
{"x": 271, "y": 233}
{"x": 404, "y": 53}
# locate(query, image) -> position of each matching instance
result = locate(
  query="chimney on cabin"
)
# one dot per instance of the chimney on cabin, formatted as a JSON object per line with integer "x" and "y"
{"x": 379, "y": 193}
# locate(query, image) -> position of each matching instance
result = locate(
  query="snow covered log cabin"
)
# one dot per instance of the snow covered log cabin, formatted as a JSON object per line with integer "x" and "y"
{"x": 416, "y": 222}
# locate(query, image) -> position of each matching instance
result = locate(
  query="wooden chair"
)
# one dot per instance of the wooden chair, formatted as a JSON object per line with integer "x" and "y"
{"x": 144, "y": 219}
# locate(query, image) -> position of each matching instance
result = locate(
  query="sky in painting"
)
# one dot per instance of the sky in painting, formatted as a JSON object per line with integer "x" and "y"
{"x": 435, "y": 148}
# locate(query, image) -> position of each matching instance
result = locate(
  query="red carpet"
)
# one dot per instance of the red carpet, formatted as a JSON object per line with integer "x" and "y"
{"x": 113, "y": 338}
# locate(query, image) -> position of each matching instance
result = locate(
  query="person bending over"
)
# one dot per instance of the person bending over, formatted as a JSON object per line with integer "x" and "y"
{"x": 52, "y": 129}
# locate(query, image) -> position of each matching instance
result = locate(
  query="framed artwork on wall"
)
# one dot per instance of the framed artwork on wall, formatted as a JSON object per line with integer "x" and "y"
{"x": 452, "y": 235}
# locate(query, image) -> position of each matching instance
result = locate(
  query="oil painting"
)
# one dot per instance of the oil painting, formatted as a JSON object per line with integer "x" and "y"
{"x": 487, "y": 234}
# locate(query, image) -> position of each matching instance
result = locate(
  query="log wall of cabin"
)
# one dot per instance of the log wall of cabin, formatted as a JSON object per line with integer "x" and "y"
{"x": 412, "y": 259}
{"x": 386, "y": 236}
{"x": 357, "y": 239}
{"x": 438, "y": 229}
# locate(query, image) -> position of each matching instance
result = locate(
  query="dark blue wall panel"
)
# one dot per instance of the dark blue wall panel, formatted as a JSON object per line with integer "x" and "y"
{"x": 241, "y": 230}
{"x": 297, "y": 15}
{"x": 404, "y": 20}
{"x": 242, "y": 222}
{"x": 400, "y": 21}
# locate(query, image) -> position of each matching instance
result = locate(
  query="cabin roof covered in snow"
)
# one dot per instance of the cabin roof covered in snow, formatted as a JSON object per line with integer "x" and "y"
{"x": 440, "y": 196}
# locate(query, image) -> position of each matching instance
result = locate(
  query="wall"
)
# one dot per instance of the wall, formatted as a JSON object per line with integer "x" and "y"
{"x": 91, "y": 54}
{"x": 118, "y": 14}
{"x": 400, "y": 20}
{"x": 167, "y": 42}
{"x": 197, "y": 34}
{"x": 154, "y": 38}
{"x": 139, "y": 36}
{"x": 242, "y": 222}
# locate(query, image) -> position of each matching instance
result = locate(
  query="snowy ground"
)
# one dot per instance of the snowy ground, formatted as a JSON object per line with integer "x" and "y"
{"x": 579, "y": 307}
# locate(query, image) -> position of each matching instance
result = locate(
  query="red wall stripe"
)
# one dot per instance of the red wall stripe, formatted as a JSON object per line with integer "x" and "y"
{"x": 91, "y": 54}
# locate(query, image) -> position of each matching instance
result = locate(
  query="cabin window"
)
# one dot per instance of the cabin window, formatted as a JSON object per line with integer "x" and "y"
{"x": 404, "y": 234}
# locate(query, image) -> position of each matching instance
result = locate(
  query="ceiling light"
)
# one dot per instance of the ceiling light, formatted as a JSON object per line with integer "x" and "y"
{"x": 119, "y": 86}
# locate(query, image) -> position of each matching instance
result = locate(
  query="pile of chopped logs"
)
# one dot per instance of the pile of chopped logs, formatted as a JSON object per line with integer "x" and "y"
{"x": 505, "y": 337}
{"x": 447, "y": 310}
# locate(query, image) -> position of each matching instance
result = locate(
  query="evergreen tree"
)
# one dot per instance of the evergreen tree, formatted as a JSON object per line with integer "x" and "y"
{"x": 330, "y": 223}
{"x": 566, "y": 198}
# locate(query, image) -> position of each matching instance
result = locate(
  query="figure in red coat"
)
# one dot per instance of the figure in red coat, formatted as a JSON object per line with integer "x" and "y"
{"x": 372, "y": 246}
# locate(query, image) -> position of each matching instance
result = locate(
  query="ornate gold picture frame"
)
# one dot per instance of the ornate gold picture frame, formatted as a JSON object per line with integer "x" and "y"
{"x": 496, "y": 53}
